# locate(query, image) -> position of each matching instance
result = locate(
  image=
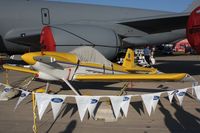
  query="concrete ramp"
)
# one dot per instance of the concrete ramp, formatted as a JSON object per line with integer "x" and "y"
{"x": 105, "y": 113}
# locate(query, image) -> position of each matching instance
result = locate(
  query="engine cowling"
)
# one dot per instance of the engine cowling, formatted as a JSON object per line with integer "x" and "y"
{"x": 64, "y": 38}
{"x": 193, "y": 29}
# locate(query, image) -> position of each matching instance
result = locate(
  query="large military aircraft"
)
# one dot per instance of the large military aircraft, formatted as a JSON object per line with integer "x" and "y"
{"x": 64, "y": 26}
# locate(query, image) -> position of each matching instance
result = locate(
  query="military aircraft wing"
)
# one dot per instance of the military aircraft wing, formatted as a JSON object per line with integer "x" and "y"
{"x": 131, "y": 77}
{"x": 159, "y": 23}
{"x": 138, "y": 31}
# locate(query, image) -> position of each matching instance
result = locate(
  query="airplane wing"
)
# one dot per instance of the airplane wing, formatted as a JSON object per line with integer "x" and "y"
{"x": 139, "y": 31}
{"x": 157, "y": 24}
{"x": 20, "y": 69}
{"x": 131, "y": 77}
{"x": 115, "y": 77}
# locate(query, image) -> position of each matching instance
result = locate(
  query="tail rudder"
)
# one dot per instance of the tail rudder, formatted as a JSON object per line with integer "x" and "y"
{"x": 129, "y": 59}
{"x": 193, "y": 5}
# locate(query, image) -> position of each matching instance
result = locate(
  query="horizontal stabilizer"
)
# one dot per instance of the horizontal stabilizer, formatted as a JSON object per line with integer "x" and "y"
{"x": 138, "y": 69}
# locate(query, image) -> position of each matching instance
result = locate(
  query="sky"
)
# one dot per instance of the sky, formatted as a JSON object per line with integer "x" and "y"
{"x": 163, "y": 5}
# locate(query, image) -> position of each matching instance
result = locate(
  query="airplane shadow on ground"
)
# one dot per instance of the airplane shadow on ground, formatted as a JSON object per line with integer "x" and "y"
{"x": 105, "y": 86}
{"x": 70, "y": 127}
{"x": 185, "y": 122}
{"x": 177, "y": 66}
{"x": 189, "y": 122}
{"x": 198, "y": 110}
{"x": 138, "y": 106}
{"x": 68, "y": 107}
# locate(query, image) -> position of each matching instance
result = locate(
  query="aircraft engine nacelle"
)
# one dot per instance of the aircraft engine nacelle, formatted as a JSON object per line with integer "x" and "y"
{"x": 64, "y": 38}
{"x": 193, "y": 29}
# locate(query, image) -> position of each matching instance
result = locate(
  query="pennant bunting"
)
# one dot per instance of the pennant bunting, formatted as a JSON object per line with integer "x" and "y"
{"x": 6, "y": 90}
{"x": 23, "y": 95}
{"x": 92, "y": 105}
{"x": 42, "y": 100}
{"x": 171, "y": 95}
{"x": 180, "y": 95}
{"x": 56, "y": 104}
{"x": 148, "y": 100}
{"x": 156, "y": 98}
{"x": 5, "y": 93}
{"x": 197, "y": 92}
{"x": 116, "y": 102}
{"x": 125, "y": 104}
{"x": 193, "y": 85}
{"x": 82, "y": 103}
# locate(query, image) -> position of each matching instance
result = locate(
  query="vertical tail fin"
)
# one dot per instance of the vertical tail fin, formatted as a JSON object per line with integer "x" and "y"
{"x": 129, "y": 59}
{"x": 193, "y": 5}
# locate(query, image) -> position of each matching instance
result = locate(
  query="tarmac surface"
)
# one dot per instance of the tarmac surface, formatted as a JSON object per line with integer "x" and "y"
{"x": 167, "y": 117}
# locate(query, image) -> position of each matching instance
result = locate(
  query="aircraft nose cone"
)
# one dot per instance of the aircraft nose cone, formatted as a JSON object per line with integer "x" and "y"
{"x": 28, "y": 58}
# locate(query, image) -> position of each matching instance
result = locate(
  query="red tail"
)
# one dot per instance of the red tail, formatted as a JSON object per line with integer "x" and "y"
{"x": 193, "y": 29}
{"x": 47, "y": 40}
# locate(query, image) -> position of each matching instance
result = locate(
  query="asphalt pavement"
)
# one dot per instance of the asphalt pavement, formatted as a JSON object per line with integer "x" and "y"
{"x": 167, "y": 117}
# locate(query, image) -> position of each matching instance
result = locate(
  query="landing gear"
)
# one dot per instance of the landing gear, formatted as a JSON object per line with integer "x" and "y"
{"x": 123, "y": 90}
{"x": 47, "y": 87}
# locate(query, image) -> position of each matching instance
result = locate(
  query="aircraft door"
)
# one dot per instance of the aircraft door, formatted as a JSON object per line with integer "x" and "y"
{"x": 45, "y": 16}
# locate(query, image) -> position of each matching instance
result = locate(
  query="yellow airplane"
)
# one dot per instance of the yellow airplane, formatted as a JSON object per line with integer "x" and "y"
{"x": 72, "y": 67}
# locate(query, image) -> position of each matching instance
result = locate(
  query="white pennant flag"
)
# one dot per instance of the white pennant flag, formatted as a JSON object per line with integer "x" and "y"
{"x": 193, "y": 85}
{"x": 56, "y": 104}
{"x": 23, "y": 95}
{"x": 6, "y": 90}
{"x": 92, "y": 105}
{"x": 82, "y": 103}
{"x": 171, "y": 95}
{"x": 116, "y": 102}
{"x": 42, "y": 100}
{"x": 180, "y": 95}
{"x": 197, "y": 92}
{"x": 148, "y": 100}
{"x": 125, "y": 104}
{"x": 156, "y": 98}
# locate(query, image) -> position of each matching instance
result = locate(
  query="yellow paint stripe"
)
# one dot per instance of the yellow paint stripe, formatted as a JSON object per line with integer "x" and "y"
{"x": 20, "y": 69}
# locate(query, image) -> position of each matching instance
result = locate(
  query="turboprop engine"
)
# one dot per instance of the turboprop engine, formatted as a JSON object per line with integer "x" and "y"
{"x": 64, "y": 38}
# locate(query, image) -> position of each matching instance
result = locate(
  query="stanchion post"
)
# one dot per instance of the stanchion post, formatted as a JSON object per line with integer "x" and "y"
{"x": 34, "y": 113}
{"x": 6, "y": 77}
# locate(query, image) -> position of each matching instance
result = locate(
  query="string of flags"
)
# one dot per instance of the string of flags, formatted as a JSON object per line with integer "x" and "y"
{"x": 89, "y": 103}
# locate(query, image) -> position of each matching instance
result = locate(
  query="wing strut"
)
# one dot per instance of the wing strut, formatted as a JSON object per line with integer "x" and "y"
{"x": 71, "y": 87}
